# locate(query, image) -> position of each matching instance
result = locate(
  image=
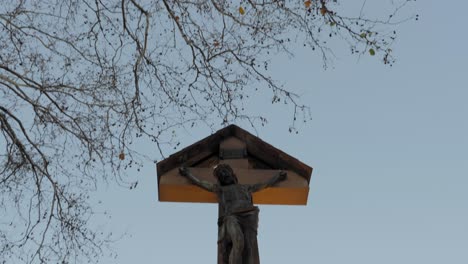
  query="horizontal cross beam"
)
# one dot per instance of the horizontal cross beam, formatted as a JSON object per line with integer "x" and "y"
{"x": 175, "y": 188}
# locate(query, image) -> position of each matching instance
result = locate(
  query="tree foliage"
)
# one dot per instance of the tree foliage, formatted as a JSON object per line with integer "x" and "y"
{"x": 81, "y": 80}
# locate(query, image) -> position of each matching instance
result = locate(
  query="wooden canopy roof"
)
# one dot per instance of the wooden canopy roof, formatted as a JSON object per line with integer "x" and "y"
{"x": 243, "y": 151}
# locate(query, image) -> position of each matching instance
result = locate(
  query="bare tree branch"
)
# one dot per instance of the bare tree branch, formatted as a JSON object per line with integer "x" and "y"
{"x": 80, "y": 81}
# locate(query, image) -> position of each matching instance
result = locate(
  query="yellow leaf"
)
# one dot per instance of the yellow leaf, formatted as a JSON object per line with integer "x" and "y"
{"x": 241, "y": 10}
{"x": 307, "y": 3}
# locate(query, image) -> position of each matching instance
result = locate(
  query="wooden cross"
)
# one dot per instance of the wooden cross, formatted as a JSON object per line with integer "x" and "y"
{"x": 252, "y": 160}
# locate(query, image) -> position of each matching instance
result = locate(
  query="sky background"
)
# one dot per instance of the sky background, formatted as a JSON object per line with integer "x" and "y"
{"x": 389, "y": 148}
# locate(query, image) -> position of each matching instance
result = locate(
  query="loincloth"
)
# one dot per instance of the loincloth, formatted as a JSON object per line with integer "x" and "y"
{"x": 247, "y": 219}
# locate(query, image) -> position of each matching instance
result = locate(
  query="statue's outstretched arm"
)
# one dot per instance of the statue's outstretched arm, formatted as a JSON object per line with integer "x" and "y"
{"x": 203, "y": 184}
{"x": 280, "y": 176}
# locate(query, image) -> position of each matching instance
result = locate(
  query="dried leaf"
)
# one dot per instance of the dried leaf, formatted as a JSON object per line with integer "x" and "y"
{"x": 307, "y": 3}
{"x": 323, "y": 11}
{"x": 121, "y": 156}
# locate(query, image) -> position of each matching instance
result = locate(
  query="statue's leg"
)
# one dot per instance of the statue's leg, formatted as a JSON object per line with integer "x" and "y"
{"x": 249, "y": 224}
{"x": 236, "y": 236}
{"x": 224, "y": 243}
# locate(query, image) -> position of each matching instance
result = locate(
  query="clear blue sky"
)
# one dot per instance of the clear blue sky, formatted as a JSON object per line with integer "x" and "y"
{"x": 389, "y": 147}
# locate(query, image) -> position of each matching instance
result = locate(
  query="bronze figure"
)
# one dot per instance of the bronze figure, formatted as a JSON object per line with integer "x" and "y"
{"x": 238, "y": 217}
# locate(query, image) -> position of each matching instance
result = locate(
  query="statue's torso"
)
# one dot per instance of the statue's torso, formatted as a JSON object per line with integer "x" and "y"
{"x": 234, "y": 198}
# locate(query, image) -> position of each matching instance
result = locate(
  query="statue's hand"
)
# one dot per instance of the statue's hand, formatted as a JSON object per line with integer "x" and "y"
{"x": 183, "y": 171}
{"x": 283, "y": 175}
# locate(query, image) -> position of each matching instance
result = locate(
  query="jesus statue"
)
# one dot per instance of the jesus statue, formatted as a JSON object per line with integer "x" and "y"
{"x": 238, "y": 217}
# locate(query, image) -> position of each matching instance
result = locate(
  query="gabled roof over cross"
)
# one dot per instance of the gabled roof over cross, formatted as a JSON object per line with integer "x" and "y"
{"x": 252, "y": 159}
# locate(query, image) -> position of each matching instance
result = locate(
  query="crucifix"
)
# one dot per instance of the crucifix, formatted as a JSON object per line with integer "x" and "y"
{"x": 236, "y": 170}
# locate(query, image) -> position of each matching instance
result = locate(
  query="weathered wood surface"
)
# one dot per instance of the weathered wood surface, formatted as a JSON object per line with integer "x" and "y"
{"x": 256, "y": 148}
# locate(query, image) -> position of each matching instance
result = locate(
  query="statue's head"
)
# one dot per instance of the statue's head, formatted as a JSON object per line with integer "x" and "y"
{"x": 225, "y": 175}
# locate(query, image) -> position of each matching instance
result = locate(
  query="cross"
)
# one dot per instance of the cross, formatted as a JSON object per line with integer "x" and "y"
{"x": 189, "y": 176}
